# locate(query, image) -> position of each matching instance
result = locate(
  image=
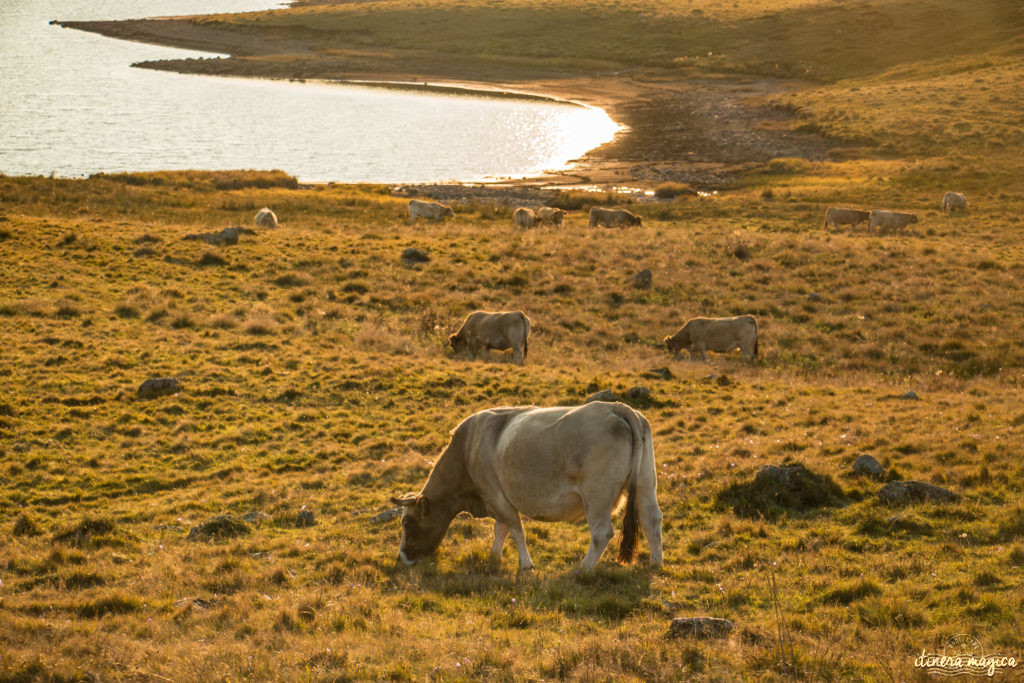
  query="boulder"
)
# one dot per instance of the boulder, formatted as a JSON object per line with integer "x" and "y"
{"x": 387, "y": 515}
{"x": 221, "y": 526}
{"x": 642, "y": 280}
{"x": 700, "y": 627}
{"x": 776, "y": 488}
{"x": 159, "y": 386}
{"x": 226, "y": 236}
{"x": 907, "y": 492}
{"x": 413, "y": 256}
{"x": 865, "y": 464}
{"x": 910, "y": 396}
{"x": 603, "y": 395}
{"x": 306, "y": 517}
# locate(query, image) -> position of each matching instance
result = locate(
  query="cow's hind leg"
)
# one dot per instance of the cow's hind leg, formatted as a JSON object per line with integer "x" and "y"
{"x": 515, "y": 527}
{"x": 501, "y": 532}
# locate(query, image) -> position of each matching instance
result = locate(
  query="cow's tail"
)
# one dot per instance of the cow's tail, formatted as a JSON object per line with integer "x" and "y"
{"x": 630, "y": 520}
{"x": 526, "y": 335}
{"x": 757, "y": 337}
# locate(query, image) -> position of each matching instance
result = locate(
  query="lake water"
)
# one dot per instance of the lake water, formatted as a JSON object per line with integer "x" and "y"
{"x": 72, "y": 106}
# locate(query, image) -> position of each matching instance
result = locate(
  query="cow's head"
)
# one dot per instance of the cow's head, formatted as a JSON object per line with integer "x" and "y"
{"x": 457, "y": 342}
{"x": 448, "y": 213}
{"x": 422, "y": 528}
{"x": 678, "y": 341}
{"x": 913, "y": 218}
{"x": 634, "y": 219}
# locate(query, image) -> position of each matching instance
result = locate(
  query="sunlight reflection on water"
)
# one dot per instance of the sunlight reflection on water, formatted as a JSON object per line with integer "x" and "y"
{"x": 73, "y": 106}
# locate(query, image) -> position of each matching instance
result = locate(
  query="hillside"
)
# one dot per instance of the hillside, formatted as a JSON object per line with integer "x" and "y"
{"x": 315, "y": 375}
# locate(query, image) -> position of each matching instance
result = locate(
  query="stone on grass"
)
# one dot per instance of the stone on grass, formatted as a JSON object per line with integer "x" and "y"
{"x": 642, "y": 280}
{"x": 865, "y": 464}
{"x": 700, "y": 627}
{"x": 386, "y": 516}
{"x": 906, "y": 492}
{"x": 911, "y": 396}
{"x": 226, "y": 236}
{"x": 305, "y": 517}
{"x": 603, "y": 395}
{"x": 774, "y": 489}
{"x": 221, "y": 526}
{"x": 413, "y": 256}
{"x": 658, "y": 373}
{"x": 159, "y": 386}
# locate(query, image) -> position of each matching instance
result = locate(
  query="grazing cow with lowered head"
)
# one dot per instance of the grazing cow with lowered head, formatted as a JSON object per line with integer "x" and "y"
{"x": 954, "y": 201}
{"x": 721, "y": 335}
{"x": 548, "y": 464}
{"x": 549, "y": 214}
{"x": 493, "y": 330}
{"x": 429, "y": 210}
{"x": 613, "y": 218}
{"x": 524, "y": 218}
{"x": 890, "y": 220}
{"x": 265, "y": 218}
{"x": 838, "y": 216}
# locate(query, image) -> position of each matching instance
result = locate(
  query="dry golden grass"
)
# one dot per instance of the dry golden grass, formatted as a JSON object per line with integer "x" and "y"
{"x": 315, "y": 374}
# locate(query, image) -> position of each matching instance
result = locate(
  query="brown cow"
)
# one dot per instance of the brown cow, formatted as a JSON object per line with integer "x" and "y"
{"x": 549, "y": 464}
{"x": 839, "y": 216}
{"x": 721, "y": 335}
{"x": 493, "y": 330}
{"x": 890, "y": 220}
{"x": 431, "y": 210}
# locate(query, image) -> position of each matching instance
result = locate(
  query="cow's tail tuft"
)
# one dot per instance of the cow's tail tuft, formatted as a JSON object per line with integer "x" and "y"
{"x": 630, "y": 527}
{"x": 630, "y": 519}
{"x": 757, "y": 337}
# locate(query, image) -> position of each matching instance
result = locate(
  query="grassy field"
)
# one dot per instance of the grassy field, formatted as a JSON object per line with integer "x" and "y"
{"x": 315, "y": 374}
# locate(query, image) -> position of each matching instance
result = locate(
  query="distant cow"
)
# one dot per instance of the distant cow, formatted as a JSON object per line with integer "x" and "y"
{"x": 954, "y": 201}
{"x": 721, "y": 335}
{"x": 838, "y": 216}
{"x": 265, "y": 218}
{"x": 890, "y": 220}
{"x": 524, "y": 218}
{"x": 612, "y": 218}
{"x": 548, "y": 214}
{"x": 548, "y": 464}
{"x": 498, "y": 330}
{"x": 431, "y": 210}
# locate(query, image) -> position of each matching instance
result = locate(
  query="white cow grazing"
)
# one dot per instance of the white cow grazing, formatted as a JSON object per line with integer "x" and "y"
{"x": 430, "y": 210}
{"x": 549, "y": 214}
{"x": 890, "y": 220}
{"x": 265, "y": 218}
{"x": 613, "y": 218}
{"x": 497, "y": 330}
{"x": 722, "y": 335}
{"x": 524, "y": 218}
{"x": 549, "y": 464}
{"x": 954, "y": 201}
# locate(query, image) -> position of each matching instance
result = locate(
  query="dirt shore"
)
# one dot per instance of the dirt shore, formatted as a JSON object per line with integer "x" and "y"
{"x": 686, "y": 128}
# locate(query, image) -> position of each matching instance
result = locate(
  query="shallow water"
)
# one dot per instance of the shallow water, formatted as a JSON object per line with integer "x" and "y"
{"x": 73, "y": 106}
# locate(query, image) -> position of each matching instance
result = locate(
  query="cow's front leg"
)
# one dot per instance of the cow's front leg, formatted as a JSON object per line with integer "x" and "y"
{"x": 500, "y": 534}
{"x": 519, "y": 536}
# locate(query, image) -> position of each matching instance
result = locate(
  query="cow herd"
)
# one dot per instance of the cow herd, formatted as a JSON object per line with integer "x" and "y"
{"x": 565, "y": 463}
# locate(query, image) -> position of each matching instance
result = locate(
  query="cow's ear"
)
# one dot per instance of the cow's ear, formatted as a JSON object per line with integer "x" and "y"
{"x": 404, "y": 502}
{"x": 422, "y": 506}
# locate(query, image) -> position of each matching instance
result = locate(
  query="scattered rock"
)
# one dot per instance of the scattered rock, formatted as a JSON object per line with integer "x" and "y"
{"x": 865, "y": 464}
{"x": 642, "y": 280}
{"x": 414, "y": 257}
{"x": 911, "y": 396}
{"x": 638, "y": 394}
{"x": 604, "y": 395}
{"x": 814, "y": 296}
{"x": 306, "y": 517}
{"x": 226, "y": 236}
{"x": 742, "y": 252}
{"x": 387, "y": 515}
{"x": 632, "y": 338}
{"x": 906, "y": 492}
{"x": 723, "y": 381}
{"x": 658, "y": 373}
{"x": 700, "y": 627}
{"x": 777, "y": 488}
{"x": 255, "y": 517}
{"x": 159, "y": 386}
{"x": 221, "y": 526}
